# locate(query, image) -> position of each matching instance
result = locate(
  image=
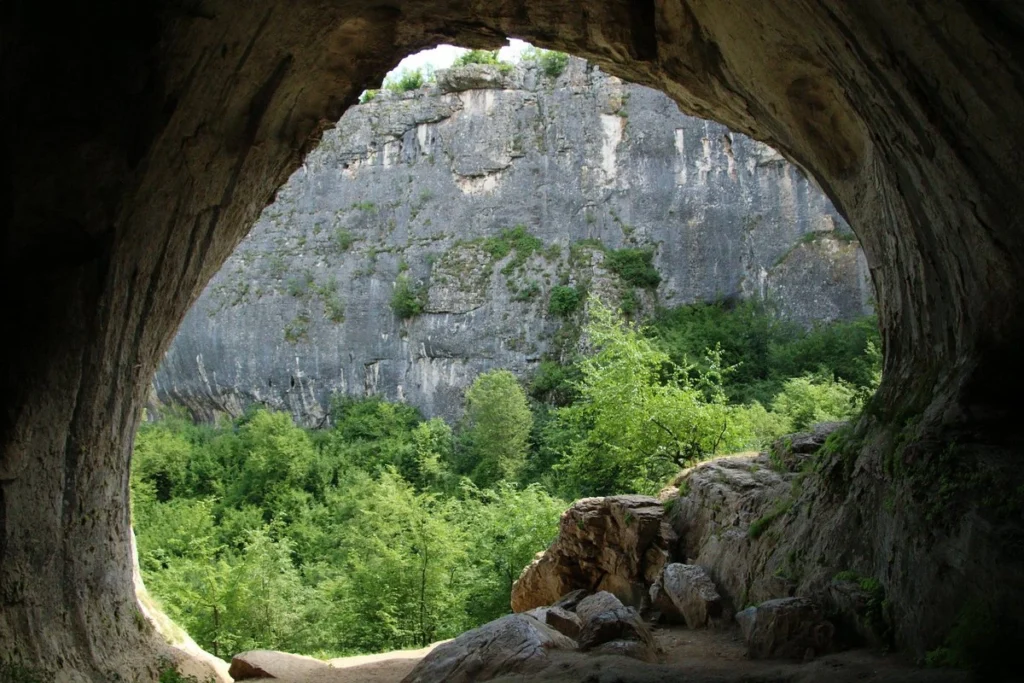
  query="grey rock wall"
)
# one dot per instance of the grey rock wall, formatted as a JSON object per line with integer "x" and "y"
{"x": 412, "y": 186}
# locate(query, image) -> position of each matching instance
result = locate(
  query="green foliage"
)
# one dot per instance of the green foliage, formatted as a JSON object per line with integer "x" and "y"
{"x": 630, "y": 302}
{"x": 640, "y": 417}
{"x": 517, "y": 241}
{"x": 810, "y": 399}
{"x": 355, "y": 538}
{"x": 407, "y": 300}
{"x": 759, "y": 525}
{"x": 297, "y": 329}
{"x": 766, "y": 351}
{"x": 342, "y": 240}
{"x": 565, "y": 300}
{"x": 634, "y": 266}
{"x": 497, "y": 428}
{"x": 405, "y": 81}
{"x": 985, "y": 639}
{"x": 527, "y": 292}
{"x": 552, "y": 63}
{"x": 555, "y": 383}
{"x": 483, "y": 57}
{"x": 368, "y": 96}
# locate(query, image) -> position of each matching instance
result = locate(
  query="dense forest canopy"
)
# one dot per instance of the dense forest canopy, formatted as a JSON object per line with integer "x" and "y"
{"x": 388, "y": 531}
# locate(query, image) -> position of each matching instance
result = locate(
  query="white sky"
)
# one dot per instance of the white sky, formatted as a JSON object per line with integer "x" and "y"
{"x": 442, "y": 56}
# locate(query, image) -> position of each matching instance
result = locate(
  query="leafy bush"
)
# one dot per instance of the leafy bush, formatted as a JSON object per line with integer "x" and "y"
{"x": 766, "y": 351}
{"x": 368, "y": 96}
{"x": 406, "y": 80}
{"x": 565, "y": 300}
{"x": 810, "y": 399}
{"x": 517, "y": 240}
{"x": 551, "y": 62}
{"x": 477, "y": 57}
{"x": 555, "y": 383}
{"x": 343, "y": 239}
{"x": 527, "y": 292}
{"x": 640, "y": 417}
{"x": 634, "y": 266}
{"x": 407, "y": 300}
{"x": 630, "y": 302}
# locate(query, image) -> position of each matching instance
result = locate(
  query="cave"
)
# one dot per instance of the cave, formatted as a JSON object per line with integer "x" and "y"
{"x": 141, "y": 141}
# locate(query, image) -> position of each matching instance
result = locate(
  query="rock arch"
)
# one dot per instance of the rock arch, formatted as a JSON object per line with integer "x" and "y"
{"x": 141, "y": 140}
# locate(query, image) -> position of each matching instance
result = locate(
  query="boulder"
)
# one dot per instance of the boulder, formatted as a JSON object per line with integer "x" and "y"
{"x": 262, "y": 664}
{"x": 786, "y": 628}
{"x": 604, "y": 620}
{"x": 791, "y": 450}
{"x": 471, "y": 77}
{"x": 595, "y": 604}
{"x": 516, "y": 643}
{"x": 571, "y": 599}
{"x": 621, "y": 623}
{"x": 686, "y": 591}
{"x": 562, "y": 620}
{"x": 617, "y": 544}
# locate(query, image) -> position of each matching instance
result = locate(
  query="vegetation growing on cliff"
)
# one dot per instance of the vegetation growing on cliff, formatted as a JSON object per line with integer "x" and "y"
{"x": 407, "y": 299}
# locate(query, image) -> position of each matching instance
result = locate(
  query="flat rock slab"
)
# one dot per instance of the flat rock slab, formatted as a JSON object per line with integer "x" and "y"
{"x": 595, "y": 604}
{"x": 263, "y": 664}
{"x": 516, "y": 643}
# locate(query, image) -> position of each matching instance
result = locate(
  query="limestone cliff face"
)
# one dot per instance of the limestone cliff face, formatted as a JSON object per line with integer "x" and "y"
{"x": 420, "y": 187}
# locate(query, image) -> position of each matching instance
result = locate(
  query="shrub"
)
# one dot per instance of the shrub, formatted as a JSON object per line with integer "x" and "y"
{"x": 634, "y": 266}
{"x": 407, "y": 300}
{"x": 630, "y": 302}
{"x": 810, "y": 399}
{"x": 477, "y": 57}
{"x": 405, "y": 81}
{"x": 551, "y": 62}
{"x": 527, "y": 292}
{"x": 565, "y": 300}
{"x": 368, "y": 96}
{"x": 343, "y": 240}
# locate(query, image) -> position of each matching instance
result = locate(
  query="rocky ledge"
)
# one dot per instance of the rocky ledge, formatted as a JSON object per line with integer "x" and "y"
{"x": 704, "y": 554}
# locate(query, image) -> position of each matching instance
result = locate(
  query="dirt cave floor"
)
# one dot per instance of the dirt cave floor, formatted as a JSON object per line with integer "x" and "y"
{"x": 690, "y": 656}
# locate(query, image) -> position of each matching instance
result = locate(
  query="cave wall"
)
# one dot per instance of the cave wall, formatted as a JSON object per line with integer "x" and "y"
{"x": 141, "y": 140}
{"x": 414, "y": 182}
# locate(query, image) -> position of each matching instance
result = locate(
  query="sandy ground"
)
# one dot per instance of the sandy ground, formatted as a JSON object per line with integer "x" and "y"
{"x": 690, "y": 656}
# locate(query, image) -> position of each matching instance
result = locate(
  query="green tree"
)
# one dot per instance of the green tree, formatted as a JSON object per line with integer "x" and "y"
{"x": 402, "y": 585}
{"x": 810, "y": 399}
{"x": 505, "y": 527}
{"x": 641, "y": 417}
{"x": 497, "y": 428}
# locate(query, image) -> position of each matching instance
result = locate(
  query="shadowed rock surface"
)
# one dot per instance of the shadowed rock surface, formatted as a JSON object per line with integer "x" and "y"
{"x": 690, "y": 592}
{"x": 408, "y": 186}
{"x": 142, "y": 141}
{"x": 617, "y": 544}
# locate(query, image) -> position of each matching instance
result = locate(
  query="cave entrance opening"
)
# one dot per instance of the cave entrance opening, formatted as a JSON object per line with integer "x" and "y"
{"x": 187, "y": 118}
{"x": 456, "y": 223}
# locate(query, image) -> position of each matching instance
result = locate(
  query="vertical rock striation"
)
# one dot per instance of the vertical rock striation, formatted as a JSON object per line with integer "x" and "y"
{"x": 419, "y": 186}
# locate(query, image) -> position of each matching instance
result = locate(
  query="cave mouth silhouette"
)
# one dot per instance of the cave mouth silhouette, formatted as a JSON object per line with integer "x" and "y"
{"x": 142, "y": 140}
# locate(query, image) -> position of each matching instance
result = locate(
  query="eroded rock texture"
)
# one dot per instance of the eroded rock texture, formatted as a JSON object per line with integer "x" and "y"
{"x": 409, "y": 186}
{"x": 141, "y": 141}
{"x": 616, "y": 544}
